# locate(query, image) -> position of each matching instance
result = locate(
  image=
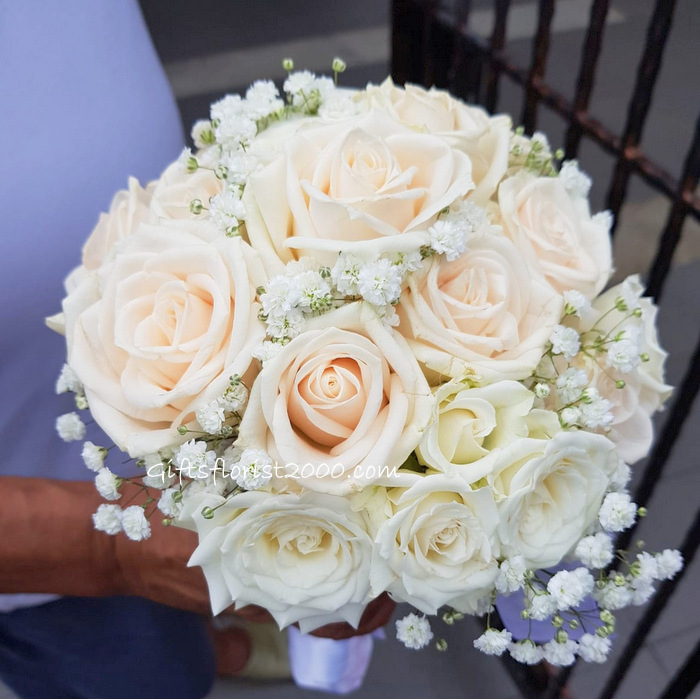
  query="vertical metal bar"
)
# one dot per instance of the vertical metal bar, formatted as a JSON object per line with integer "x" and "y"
{"x": 686, "y": 678}
{"x": 537, "y": 66}
{"x": 656, "y": 606}
{"x": 667, "y": 439}
{"x": 428, "y": 73}
{"x": 405, "y": 41}
{"x": 672, "y": 232}
{"x": 657, "y": 33}
{"x": 498, "y": 40}
{"x": 587, "y": 69}
{"x": 458, "y": 45}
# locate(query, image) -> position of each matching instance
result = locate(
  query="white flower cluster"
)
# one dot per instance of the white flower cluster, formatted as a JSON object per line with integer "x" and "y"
{"x": 414, "y": 631}
{"x": 560, "y": 598}
{"x": 451, "y": 233}
{"x": 132, "y": 520}
{"x": 288, "y": 297}
{"x": 308, "y": 92}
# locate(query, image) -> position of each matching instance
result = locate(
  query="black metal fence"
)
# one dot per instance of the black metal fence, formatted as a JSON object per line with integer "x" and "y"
{"x": 432, "y": 44}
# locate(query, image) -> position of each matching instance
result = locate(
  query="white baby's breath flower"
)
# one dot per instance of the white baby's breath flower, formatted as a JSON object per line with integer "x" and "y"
{"x": 541, "y": 606}
{"x": 621, "y": 477}
{"x": 668, "y": 564}
{"x": 560, "y": 654}
{"x": 493, "y": 642}
{"x": 603, "y": 220}
{"x": 70, "y": 427}
{"x": 570, "y": 416}
{"x": 570, "y": 384}
{"x": 262, "y": 99}
{"x": 641, "y": 593}
{"x": 299, "y": 85}
{"x": 617, "y": 512}
{"x": 227, "y": 210}
{"x": 565, "y": 341}
{"x": 413, "y": 631}
{"x": 623, "y": 354}
{"x": 135, "y": 524}
{"x": 194, "y": 461}
{"x": 285, "y": 326}
{"x": 613, "y": 596}
{"x": 407, "y": 262}
{"x": 158, "y": 473}
{"x": 576, "y": 182}
{"x": 314, "y": 292}
{"x": 108, "y": 519}
{"x": 542, "y": 390}
{"x": 211, "y": 417}
{"x": 202, "y": 133}
{"x": 570, "y": 587}
{"x": 595, "y": 410}
{"x": 253, "y": 470}
{"x": 235, "y": 397}
{"x": 345, "y": 274}
{"x": 266, "y": 350}
{"x": 595, "y": 551}
{"x": 593, "y": 649}
{"x": 68, "y": 381}
{"x": 575, "y": 303}
{"x": 511, "y": 575}
{"x": 447, "y": 238}
{"x": 93, "y": 456}
{"x": 646, "y": 568}
{"x": 108, "y": 484}
{"x": 169, "y": 506}
{"x": 526, "y": 652}
{"x": 240, "y": 165}
{"x": 379, "y": 282}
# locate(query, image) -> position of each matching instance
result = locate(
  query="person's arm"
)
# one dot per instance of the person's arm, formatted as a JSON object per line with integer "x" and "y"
{"x": 48, "y": 544}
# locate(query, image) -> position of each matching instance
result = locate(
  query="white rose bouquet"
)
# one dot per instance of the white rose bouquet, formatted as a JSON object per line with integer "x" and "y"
{"x": 357, "y": 341}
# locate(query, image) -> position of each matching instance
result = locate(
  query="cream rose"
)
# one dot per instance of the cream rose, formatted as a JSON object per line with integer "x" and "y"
{"x": 129, "y": 208}
{"x": 471, "y": 424}
{"x": 439, "y": 547}
{"x": 645, "y": 390}
{"x": 485, "y": 139}
{"x": 158, "y": 331}
{"x": 305, "y": 558}
{"x": 343, "y": 401}
{"x": 556, "y": 233}
{"x": 486, "y": 312}
{"x": 176, "y": 188}
{"x": 364, "y": 187}
{"x": 549, "y": 493}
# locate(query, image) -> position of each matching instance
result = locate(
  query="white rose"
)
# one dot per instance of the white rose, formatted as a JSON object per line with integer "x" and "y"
{"x": 556, "y": 233}
{"x": 364, "y": 186}
{"x": 470, "y": 423}
{"x": 549, "y": 493}
{"x": 485, "y": 139}
{"x": 439, "y": 547}
{"x": 343, "y": 402}
{"x": 158, "y": 331}
{"x": 305, "y": 558}
{"x": 485, "y": 312}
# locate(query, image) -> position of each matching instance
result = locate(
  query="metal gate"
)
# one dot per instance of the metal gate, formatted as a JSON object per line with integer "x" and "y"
{"x": 433, "y": 44}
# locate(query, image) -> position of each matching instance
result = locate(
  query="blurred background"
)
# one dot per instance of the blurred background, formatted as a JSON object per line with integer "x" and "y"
{"x": 211, "y": 47}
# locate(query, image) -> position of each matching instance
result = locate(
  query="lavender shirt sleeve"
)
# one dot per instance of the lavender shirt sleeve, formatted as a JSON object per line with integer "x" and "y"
{"x": 84, "y": 103}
